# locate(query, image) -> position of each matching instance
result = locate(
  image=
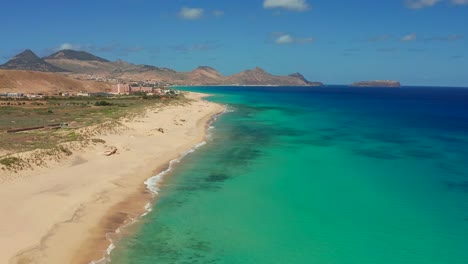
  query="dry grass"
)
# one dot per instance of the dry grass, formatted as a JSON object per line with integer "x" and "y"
{"x": 86, "y": 122}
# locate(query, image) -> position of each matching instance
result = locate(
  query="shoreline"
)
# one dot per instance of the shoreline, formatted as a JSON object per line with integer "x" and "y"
{"x": 90, "y": 196}
{"x": 153, "y": 185}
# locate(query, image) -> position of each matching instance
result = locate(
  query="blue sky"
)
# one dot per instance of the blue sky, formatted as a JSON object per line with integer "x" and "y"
{"x": 419, "y": 42}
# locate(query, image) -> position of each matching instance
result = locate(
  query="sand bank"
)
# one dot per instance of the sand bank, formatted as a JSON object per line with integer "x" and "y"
{"x": 62, "y": 214}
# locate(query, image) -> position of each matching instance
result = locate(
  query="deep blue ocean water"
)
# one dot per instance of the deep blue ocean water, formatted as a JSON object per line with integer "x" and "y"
{"x": 317, "y": 175}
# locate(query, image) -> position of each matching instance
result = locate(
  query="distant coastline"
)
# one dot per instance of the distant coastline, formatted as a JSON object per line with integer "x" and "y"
{"x": 377, "y": 83}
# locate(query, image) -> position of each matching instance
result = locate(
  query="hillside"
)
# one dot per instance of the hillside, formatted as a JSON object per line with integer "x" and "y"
{"x": 27, "y": 60}
{"x": 42, "y": 82}
{"x": 205, "y": 75}
{"x": 74, "y": 55}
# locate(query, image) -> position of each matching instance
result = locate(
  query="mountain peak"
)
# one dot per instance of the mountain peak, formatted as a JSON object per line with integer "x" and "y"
{"x": 74, "y": 55}
{"x": 27, "y": 52}
{"x": 258, "y": 69}
{"x": 206, "y": 68}
{"x": 26, "y": 55}
{"x": 297, "y": 74}
{"x": 28, "y": 60}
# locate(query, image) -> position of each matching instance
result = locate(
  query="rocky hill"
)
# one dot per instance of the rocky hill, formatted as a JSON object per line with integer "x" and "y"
{"x": 27, "y": 60}
{"x": 205, "y": 75}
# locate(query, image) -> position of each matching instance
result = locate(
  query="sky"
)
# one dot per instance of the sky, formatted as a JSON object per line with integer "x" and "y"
{"x": 418, "y": 42}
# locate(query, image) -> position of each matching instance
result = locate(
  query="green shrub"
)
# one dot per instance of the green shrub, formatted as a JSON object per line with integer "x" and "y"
{"x": 102, "y": 103}
{"x": 65, "y": 150}
{"x": 98, "y": 140}
{"x": 10, "y": 161}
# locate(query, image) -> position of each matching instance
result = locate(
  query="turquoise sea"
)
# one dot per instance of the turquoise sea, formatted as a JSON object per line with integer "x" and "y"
{"x": 328, "y": 175}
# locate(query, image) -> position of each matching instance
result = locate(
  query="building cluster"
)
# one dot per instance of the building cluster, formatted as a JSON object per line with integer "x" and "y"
{"x": 99, "y": 78}
{"x": 112, "y": 80}
{"x": 140, "y": 87}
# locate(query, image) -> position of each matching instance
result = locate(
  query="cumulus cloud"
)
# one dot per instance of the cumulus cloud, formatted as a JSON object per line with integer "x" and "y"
{"x": 460, "y": 2}
{"x": 68, "y": 46}
{"x": 88, "y": 48}
{"x": 218, "y": 13}
{"x": 191, "y": 13}
{"x": 294, "y": 5}
{"x": 417, "y": 4}
{"x": 410, "y": 37}
{"x": 282, "y": 39}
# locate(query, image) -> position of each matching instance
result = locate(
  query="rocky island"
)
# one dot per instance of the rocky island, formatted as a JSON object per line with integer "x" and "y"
{"x": 379, "y": 83}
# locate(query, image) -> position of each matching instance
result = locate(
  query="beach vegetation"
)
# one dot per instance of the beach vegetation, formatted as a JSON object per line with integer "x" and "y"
{"x": 98, "y": 141}
{"x": 103, "y": 103}
{"x": 65, "y": 150}
{"x": 9, "y": 161}
{"x": 85, "y": 118}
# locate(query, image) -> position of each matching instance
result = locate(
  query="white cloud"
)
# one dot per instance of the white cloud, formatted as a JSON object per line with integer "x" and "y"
{"x": 282, "y": 39}
{"x": 460, "y": 2}
{"x": 295, "y": 5}
{"x": 410, "y": 37}
{"x": 218, "y": 13}
{"x": 191, "y": 13}
{"x": 69, "y": 46}
{"x": 417, "y": 4}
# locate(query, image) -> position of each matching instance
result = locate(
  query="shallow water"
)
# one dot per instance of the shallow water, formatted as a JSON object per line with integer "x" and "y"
{"x": 317, "y": 175}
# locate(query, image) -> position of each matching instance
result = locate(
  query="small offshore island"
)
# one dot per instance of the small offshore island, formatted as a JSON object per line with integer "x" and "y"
{"x": 377, "y": 83}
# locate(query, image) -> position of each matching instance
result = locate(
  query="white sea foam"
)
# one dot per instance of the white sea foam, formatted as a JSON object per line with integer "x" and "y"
{"x": 153, "y": 185}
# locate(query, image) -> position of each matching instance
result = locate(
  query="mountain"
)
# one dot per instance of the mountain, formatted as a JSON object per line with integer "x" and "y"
{"x": 205, "y": 75}
{"x": 80, "y": 62}
{"x": 27, "y": 60}
{"x": 74, "y": 55}
{"x": 45, "y": 82}
{"x": 85, "y": 63}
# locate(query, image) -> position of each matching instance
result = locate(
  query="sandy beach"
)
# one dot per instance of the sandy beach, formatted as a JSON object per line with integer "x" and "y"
{"x": 61, "y": 213}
